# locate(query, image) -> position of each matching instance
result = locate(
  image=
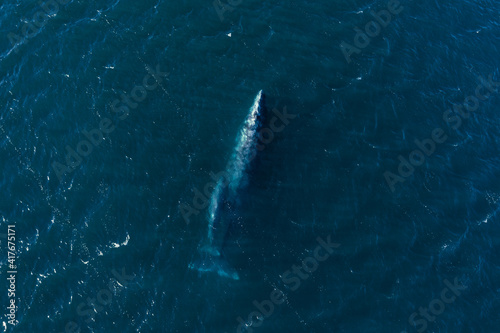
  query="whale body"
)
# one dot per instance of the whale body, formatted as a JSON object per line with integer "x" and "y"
{"x": 224, "y": 198}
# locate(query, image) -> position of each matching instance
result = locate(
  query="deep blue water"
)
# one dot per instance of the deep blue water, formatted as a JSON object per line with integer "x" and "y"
{"x": 104, "y": 247}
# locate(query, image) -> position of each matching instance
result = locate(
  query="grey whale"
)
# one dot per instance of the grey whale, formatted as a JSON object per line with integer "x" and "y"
{"x": 224, "y": 198}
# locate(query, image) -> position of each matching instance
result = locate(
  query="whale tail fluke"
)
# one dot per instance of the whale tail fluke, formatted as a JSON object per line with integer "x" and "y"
{"x": 210, "y": 260}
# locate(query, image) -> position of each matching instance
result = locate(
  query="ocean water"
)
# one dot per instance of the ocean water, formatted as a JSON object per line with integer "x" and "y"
{"x": 106, "y": 246}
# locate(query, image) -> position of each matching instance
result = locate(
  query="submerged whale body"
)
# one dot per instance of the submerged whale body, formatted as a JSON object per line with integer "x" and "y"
{"x": 224, "y": 199}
